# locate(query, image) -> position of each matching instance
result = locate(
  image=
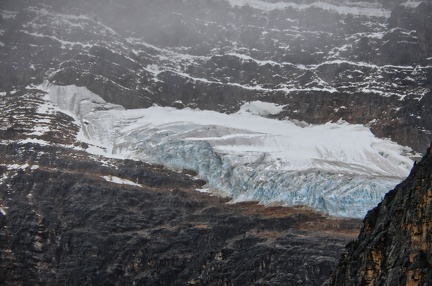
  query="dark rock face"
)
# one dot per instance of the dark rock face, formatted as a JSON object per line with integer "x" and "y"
{"x": 395, "y": 243}
{"x": 322, "y": 63}
{"x": 418, "y": 20}
{"x": 70, "y": 229}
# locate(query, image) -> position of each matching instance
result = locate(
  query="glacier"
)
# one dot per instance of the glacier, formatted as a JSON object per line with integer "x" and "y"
{"x": 336, "y": 168}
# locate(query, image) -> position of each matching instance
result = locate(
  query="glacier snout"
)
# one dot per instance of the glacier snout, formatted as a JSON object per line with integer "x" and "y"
{"x": 337, "y": 168}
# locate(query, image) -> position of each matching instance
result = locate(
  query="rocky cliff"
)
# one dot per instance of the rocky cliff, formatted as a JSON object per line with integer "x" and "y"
{"x": 395, "y": 243}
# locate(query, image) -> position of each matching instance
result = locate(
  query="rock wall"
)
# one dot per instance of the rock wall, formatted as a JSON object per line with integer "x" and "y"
{"x": 395, "y": 244}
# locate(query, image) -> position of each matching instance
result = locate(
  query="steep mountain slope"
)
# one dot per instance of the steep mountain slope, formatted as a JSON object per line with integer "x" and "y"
{"x": 71, "y": 218}
{"x": 70, "y": 213}
{"x": 364, "y": 62}
{"x": 394, "y": 246}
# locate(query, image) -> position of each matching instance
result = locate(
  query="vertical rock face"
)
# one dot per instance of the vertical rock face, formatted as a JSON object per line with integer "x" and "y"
{"x": 395, "y": 243}
{"x": 424, "y": 28}
{"x": 419, "y": 20}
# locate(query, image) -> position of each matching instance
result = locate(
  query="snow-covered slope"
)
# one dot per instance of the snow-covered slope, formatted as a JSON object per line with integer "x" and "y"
{"x": 337, "y": 168}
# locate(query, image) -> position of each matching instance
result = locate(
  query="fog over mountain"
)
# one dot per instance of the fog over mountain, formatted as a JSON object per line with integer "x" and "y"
{"x": 127, "y": 127}
{"x": 364, "y": 62}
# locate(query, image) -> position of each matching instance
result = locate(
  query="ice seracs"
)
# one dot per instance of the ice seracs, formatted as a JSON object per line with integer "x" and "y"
{"x": 337, "y": 168}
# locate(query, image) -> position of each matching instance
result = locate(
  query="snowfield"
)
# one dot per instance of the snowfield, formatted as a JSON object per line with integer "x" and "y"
{"x": 337, "y": 168}
{"x": 370, "y": 9}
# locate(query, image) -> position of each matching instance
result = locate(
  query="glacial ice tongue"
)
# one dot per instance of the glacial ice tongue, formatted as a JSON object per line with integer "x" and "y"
{"x": 337, "y": 168}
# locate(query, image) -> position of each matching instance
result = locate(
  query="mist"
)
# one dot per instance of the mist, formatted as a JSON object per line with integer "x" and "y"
{"x": 309, "y": 55}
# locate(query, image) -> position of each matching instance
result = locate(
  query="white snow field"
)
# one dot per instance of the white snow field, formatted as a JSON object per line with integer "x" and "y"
{"x": 337, "y": 168}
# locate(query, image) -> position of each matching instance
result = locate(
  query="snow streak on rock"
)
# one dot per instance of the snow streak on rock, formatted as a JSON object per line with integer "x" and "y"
{"x": 370, "y": 9}
{"x": 337, "y": 168}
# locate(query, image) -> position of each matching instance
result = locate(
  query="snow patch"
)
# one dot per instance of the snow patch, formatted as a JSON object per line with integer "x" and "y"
{"x": 120, "y": 181}
{"x": 6, "y": 15}
{"x": 411, "y": 4}
{"x": 371, "y": 10}
{"x": 64, "y": 44}
{"x": 260, "y": 108}
{"x": 22, "y": 167}
{"x": 35, "y": 141}
{"x": 39, "y": 130}
{"x": 248, "y": 58}
{"x": 154, "y": 69}
{"x": 3, "y": 177}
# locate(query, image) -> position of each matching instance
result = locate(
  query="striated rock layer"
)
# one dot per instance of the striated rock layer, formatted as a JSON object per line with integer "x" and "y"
{"x": 395, "y": 243}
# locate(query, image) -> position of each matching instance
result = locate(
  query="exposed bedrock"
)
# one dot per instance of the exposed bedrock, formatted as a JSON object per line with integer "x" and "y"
{"x": 394, "y": 246}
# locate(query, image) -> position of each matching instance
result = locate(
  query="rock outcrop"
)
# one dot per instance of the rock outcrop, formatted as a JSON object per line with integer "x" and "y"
{"x": 395, "y": 243}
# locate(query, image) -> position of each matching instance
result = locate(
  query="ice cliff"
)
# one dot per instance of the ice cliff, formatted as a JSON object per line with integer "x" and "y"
{"x": 337, "y": 168}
